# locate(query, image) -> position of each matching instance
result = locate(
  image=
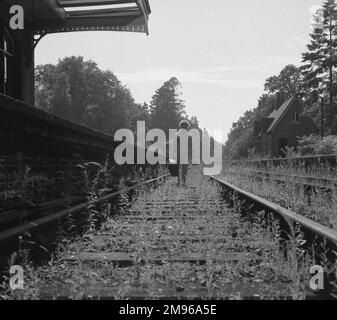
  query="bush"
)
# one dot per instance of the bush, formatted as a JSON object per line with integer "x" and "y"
{"x": 327, "y": 145}
{"x": 307, "y": 144}
{"x": 315, "y": 145}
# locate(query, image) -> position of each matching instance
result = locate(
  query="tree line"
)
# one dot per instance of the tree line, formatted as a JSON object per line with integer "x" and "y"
{"x": 79, "y": 91}
{"x": 315, "y": 81}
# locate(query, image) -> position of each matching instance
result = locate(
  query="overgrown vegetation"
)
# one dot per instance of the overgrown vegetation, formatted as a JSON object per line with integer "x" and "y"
{"x": 211, "y": 229}
{"x": 29, "y": 194}
{"x": 315, "y": 145}
{"x": 26, "y": 182}
{"x": 284, "y": 184}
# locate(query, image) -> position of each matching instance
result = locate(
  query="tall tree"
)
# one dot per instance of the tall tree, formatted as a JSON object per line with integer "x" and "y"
{"x": 321, "y": 56}
{"x": 79, "y": 91}
{"x": 45, "y": 76}
{"x": 288, "y": 83}
{"x": 167, "y": 107}
{"x": 61, "y": 101}
{"x": 139, "y": 112}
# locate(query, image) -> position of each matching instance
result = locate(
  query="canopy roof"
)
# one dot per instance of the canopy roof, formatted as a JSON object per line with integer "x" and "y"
{"x": 54, "y": 16}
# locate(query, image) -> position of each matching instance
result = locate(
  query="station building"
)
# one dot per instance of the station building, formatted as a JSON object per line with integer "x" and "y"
{"x": 283, "y": 127}
{"x": 23, "y": 128}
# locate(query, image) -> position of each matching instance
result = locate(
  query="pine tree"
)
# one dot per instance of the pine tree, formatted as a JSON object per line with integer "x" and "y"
{"x": 321, "y": 59}
{"x": 167, "y": 108}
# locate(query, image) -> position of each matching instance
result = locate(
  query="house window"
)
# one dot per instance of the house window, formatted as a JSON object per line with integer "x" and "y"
{"x": 6, "y": 60}
{"x": 296, "y": 117}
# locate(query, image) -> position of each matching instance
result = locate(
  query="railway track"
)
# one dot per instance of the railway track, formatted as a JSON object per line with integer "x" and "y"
{"x": 37, "y": 191}
{"x": 48, "y": 214}
{"x": 316, "y": 234}
{"x": 174, "y": 243}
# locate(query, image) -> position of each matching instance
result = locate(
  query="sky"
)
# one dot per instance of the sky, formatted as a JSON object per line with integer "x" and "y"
{"x": 221, "y": 51}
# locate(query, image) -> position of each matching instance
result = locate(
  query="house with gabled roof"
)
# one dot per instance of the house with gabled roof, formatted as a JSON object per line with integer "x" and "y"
{"x": 283, "y": 127}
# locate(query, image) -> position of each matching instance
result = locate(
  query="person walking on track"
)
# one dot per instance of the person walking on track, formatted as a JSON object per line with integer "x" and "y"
{"x": 182, "y": 154}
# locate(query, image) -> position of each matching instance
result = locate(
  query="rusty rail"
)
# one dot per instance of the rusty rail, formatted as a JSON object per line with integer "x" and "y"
{"x": 313, "y": 227}
{"x": 33, "y": 225}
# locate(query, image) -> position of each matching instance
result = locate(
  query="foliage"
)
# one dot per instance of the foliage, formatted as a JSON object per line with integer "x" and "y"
{"x": 284, "y": 184}
{"x": 307, "y": 145}
{"x": 167, "y": 107}
{"x": 313, "y": 144}
{"x": 286, "y": 84}
{"x": 79, "y": 91}
{"x": 328, "y": 145}
{"x": 320, "y": 58}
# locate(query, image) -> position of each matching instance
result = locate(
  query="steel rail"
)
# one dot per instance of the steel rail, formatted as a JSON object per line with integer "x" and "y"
{"x": 29, "y": 226}
{"x": 329, "y": 234}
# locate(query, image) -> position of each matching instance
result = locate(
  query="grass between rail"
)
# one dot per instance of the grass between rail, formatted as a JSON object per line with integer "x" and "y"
{"x": 209, "y": 228}
{"x": 319, "y": 205}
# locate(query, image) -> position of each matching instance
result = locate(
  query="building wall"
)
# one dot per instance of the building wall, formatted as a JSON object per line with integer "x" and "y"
{"x": 33, "y": 132}
{"x": 22, "y": 65}
{"x": 290, "y": 130}
{"x": 266, "y": 143}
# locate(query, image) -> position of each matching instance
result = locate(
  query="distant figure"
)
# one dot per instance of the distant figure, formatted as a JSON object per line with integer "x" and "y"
{"x": 182, "y": 159}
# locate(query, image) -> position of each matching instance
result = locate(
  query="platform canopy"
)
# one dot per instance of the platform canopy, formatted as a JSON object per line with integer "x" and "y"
{"x": 55, "y": 16}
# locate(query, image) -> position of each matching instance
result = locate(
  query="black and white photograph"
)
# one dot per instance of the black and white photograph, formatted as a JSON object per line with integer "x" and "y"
{"x": 169, "y": 156}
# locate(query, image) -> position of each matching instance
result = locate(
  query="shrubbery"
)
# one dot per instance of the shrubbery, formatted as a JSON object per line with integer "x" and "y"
{"x": 316, "y": 145}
